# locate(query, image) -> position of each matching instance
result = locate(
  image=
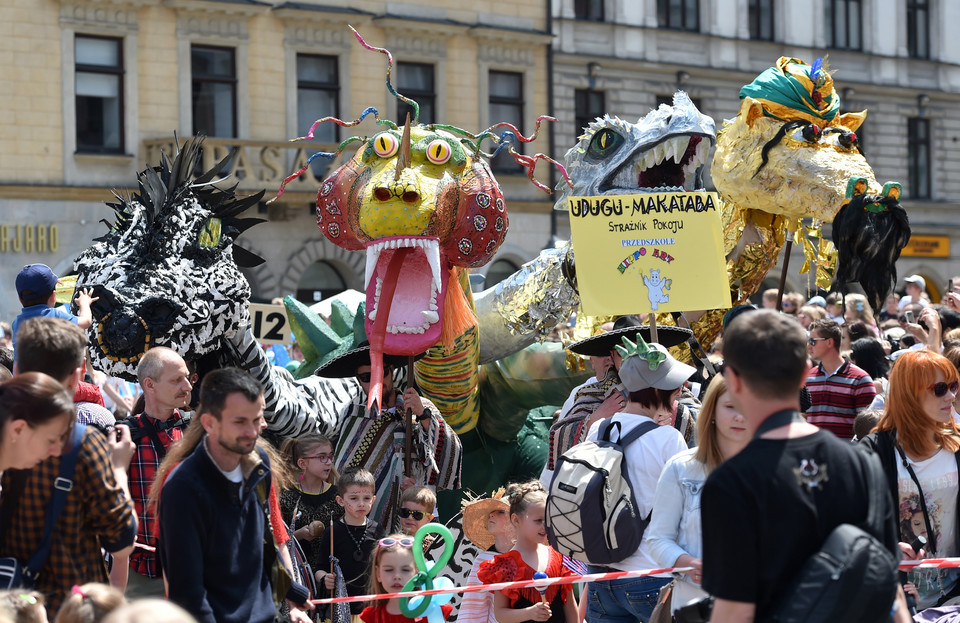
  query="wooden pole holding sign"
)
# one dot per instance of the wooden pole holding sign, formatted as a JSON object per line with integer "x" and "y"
{"x": 408, "y": 421}
{"x": 783, "y": 273}
{"x": 652, "y": 321}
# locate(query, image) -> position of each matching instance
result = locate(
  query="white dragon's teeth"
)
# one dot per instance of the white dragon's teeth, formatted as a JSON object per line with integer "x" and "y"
{"x": 430, "y": 316}
{"x": 681, "y": 143}
{"x": 372, "y": 315}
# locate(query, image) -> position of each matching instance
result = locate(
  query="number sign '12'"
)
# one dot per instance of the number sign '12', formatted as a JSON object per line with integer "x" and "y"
{"x": 270, "y": 324}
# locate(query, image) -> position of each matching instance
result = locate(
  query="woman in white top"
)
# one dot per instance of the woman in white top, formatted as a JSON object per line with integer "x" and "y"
{"x": 674, "y": 538}
{"x": 918, "y": 444}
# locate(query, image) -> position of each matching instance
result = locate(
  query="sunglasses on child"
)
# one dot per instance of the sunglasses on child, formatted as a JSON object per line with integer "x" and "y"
{"x": 390, "y": 542}
{"x": 406, "y": 513}
{"x": 940, "y": 389}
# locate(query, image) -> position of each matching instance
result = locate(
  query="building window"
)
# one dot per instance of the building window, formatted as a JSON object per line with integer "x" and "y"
{"x": 588, "y": 105}
{"x": 760, "y": 13}
{"x": 99, "y": 93}
{"x": 214, "y": 74}
{"x": 679, "y": 14}
{"x": 319, "y": 281}
{"x": 590, "y": 10}
{"x": 318, "y": 95}
{"x": 415, "y": 80}
{"x": 843, "y": 24}
{"x": 506, "y": 104}
{"x": 918, "y": 28}
{"x": 918, "y": 157}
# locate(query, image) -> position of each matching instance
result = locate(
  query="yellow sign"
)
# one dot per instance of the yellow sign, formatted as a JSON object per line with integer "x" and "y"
{"x": 66, "y": 287}
{"x": 270, "y": 324}
{"x": 927, "y": 246}
{"x": 657, "y": 252}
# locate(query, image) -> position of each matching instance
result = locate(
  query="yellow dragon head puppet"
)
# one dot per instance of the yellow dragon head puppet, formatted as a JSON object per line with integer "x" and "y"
{"x": 791, "y": 152}
{"x": 424, "y": 206}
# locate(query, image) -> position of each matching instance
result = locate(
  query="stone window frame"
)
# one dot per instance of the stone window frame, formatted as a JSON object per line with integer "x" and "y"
{"x": 226, "y": 28}
{"x": 94, "y": 20}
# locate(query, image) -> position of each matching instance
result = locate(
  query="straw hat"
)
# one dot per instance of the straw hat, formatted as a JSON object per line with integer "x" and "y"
{"x": 476, "y": 513}
{"x": 600, "y": 345}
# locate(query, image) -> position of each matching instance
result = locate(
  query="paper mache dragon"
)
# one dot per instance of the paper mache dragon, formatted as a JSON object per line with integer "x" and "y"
{"x": 424, "y": 205}
{"x": 788, "y": 163}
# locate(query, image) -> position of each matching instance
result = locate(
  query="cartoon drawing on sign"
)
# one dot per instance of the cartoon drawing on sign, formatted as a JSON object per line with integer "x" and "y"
{"x": 656, "y": 288}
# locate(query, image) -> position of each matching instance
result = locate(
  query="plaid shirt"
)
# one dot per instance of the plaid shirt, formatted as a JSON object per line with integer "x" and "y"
{"x": 143, "y": 471}
{"x": 97, "y": 514}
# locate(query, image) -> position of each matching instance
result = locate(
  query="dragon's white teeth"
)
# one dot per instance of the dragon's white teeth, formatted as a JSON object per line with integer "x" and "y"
{"x": 680, "y": 145}
{"x": 669, "y": 150}
{"x": 430, "y": 316}
{"x": 431, "y": 249}
{"x": 373, "y": 253}
{"x": 372, "y": 315}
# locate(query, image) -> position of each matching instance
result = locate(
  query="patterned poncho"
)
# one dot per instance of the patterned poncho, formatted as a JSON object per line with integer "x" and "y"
{"x": 376, "y": 444}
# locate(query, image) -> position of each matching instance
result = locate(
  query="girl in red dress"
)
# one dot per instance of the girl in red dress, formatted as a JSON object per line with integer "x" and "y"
{"x": 530, "y": 554}
{"x": 393, "y": 566}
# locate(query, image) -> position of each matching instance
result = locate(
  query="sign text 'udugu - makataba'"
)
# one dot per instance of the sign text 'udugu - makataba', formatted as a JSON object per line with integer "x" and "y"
{"x": 656, "y": 252}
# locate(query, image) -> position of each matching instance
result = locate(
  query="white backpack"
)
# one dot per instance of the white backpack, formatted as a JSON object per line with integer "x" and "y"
{"x": 592, "y": 513}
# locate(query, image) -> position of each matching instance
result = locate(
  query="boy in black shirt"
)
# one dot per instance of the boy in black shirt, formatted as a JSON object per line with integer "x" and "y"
{"x": 354, "y": 536}
{"x": 768, "y": 509}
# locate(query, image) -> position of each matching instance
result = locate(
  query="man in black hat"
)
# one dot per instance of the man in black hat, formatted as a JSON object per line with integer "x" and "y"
{"x": 595, "y": 401}
{"x": 376, "y": 441}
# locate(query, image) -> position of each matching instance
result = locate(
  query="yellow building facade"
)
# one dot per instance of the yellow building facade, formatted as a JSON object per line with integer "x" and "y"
{"x": 94, "y": 90}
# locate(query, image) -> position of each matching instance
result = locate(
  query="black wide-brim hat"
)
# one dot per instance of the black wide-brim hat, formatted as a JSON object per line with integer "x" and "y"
{"x": 346, "y": 365}
{"x": 601, "y": 345}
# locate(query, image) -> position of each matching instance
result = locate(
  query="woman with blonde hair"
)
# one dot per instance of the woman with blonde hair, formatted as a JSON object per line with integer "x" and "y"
{"x": 674, "y": 536}
{"x": 917, "y": 442}
{"x": 857, "y": 309}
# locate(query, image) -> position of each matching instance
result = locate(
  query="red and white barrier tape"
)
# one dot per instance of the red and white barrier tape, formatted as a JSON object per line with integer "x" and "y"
{"x": 906, "y": 565}
{"x": 929, "y": 563}
{"x": 483, "y": 588}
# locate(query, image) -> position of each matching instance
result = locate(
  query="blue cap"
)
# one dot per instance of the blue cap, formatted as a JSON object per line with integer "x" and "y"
{"x": 35, "y": 280}
{"x": 818, "y": 300}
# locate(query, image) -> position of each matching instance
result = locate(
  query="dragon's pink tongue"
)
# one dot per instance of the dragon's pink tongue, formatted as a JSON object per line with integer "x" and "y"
{"x": 376, "y": 336}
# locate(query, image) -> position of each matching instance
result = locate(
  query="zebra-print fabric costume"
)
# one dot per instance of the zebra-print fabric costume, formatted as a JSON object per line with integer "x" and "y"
{"x": 458, "y": 569}
{"x": 294, "y": 408}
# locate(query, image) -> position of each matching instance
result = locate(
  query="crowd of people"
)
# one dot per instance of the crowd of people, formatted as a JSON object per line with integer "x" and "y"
{"x": 174, "y": 507}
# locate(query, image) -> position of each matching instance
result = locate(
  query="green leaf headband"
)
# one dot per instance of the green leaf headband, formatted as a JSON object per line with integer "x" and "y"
{"x": 641, "y": 349}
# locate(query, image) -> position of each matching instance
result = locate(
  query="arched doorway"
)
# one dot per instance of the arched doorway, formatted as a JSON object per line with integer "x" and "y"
{"x": 498, "y": 271}
{"x": 319, "y": 281}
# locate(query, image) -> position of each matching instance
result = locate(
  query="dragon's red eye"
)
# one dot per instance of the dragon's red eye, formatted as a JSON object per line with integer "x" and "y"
{"x": 385, "y": 144}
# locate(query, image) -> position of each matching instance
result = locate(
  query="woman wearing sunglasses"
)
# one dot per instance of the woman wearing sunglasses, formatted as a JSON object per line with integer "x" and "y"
{"x": 918, "y": 443}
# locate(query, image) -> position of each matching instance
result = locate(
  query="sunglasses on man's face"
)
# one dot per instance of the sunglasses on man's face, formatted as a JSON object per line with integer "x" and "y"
{"x": 406, "y": 513}
{"x": 364, "y": 377}
{"x": 940, "y": 389}
{"x": 813, "y": 340}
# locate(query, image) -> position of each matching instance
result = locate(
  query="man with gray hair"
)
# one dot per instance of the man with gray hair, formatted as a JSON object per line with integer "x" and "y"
{"x": 165, "y": 381}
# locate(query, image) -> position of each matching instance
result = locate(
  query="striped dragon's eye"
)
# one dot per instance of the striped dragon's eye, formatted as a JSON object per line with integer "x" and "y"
{"x": 385, "y": 144}
{"x": 439, "y": 152}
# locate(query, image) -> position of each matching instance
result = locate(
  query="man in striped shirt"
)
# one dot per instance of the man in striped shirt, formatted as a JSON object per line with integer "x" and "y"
{"x": 839, "y": 389}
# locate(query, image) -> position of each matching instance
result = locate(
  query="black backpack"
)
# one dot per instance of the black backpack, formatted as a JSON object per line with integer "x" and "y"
{"x": 853, "y": 578}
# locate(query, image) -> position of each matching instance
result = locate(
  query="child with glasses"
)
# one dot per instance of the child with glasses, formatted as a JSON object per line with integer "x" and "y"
{"x": 392, "y": 567}
{"x": 308, "y": 506}
{"x": 416, "y": 509}
{"x": 354, "y": 537}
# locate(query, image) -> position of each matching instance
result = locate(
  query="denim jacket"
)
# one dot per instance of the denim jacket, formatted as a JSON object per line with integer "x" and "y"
{"x": 674, "y": 529}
